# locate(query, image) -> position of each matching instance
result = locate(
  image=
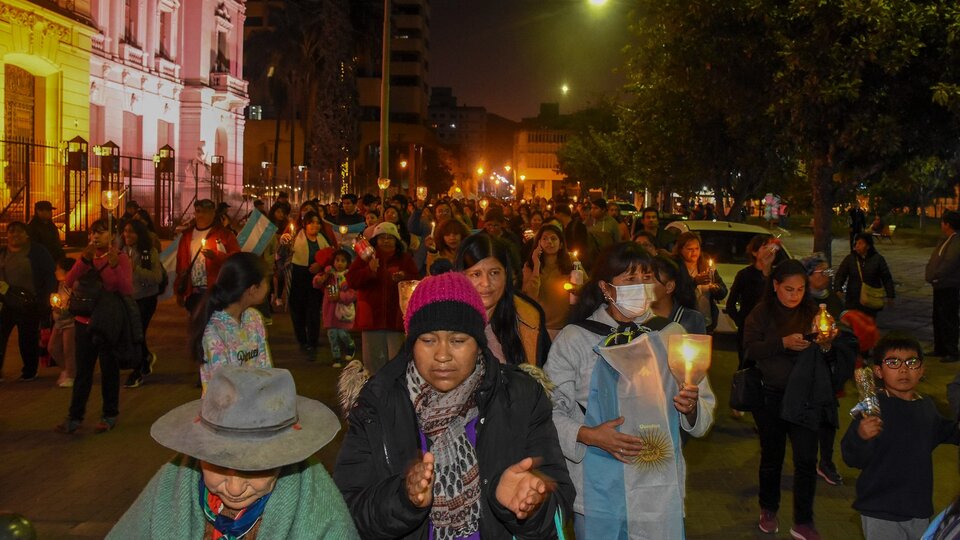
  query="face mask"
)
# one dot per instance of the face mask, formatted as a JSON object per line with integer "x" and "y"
{"x": 634, "y": 300}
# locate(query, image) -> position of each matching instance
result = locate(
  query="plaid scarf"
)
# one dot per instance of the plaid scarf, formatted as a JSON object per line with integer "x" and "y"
{"x": 443, "y": 418}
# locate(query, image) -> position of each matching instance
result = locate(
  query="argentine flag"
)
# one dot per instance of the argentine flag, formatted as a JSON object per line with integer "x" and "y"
{"x": 256, "y": 234}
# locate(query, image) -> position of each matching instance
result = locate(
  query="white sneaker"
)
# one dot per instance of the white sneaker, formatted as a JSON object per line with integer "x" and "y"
{"x": 65, "y": 383}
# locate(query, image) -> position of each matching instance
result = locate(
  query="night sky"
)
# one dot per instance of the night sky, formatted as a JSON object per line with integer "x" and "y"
{"x": 511, "y": 55}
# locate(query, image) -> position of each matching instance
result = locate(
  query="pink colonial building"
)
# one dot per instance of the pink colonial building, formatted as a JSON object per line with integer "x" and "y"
{"x": 169, "y": 72}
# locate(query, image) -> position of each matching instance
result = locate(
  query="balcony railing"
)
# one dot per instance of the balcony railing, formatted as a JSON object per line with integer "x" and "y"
{"x": 225, "y": 82}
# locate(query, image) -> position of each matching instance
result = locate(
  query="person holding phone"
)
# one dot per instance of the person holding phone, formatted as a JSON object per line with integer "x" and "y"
{"x": 545, "y": 273}
{"x": 797, "y": 391}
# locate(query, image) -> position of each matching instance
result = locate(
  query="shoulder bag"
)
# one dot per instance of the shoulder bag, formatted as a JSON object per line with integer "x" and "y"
{"x": 746, "y": 389}
{"x": 871, "y": 297}
{"x": 86, "y": 292}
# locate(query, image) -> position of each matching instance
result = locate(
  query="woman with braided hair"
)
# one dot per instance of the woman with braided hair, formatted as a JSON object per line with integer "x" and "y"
{"x": 224, "y": 330}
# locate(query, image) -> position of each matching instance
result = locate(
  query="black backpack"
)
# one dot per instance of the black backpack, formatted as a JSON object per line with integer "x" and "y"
{"x": 86, "y": 293}
{"x": 164, "y": 277}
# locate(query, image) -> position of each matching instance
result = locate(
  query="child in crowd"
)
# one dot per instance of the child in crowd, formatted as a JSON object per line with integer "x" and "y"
{"x": 895, "y": 489}
{"x": 339, "y": 308}
{"x": 62, "y": 347}
{"x": 226, "y": 329}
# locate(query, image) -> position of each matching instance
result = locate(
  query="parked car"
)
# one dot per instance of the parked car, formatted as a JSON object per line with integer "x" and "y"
{"x": 626, "y": 209}
{"x": 726, "y": 243}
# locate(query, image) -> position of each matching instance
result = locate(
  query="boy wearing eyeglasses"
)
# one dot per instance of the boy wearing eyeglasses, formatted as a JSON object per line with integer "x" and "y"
{"x": 893, "y": 450}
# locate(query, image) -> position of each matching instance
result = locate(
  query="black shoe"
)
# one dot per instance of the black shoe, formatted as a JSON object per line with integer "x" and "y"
{"x": 950, "y": 359}
{"x": 24, "y": 378}
{"x": 133, "y": 381}
{"x": 829, "y": 474}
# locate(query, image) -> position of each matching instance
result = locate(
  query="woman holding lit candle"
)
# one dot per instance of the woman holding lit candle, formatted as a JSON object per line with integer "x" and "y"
{"x": 629, "y": 476}
{"x": 710, "y": 286}
{"x": 544, "y": 275}
{"x": 441, "y": 246}
{"x": 795, "y": 363}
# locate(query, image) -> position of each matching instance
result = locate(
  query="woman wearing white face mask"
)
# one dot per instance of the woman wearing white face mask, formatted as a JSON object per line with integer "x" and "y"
{"x": 600, "y": 409}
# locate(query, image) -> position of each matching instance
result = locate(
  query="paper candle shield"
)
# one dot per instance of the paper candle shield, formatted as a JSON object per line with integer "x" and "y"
{"x": 406, "y": 289}
{"x": 689, "y": 357}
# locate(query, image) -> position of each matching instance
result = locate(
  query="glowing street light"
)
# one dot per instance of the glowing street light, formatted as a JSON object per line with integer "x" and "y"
{"x": 598, "y": 2}
{"x": 564, "y": 89}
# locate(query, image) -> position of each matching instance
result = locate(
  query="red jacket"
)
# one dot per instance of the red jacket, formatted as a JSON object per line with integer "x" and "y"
{"x": 185, "y": 256}
{"x": 378, "y": 299}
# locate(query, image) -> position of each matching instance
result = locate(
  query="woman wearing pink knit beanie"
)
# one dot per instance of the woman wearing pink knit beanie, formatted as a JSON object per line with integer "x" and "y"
{"x": 446, "y": 442}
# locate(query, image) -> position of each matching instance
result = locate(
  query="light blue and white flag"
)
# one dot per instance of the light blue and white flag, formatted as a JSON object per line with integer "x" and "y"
{"x": 256, "y": 234}
{"x": 168, "y": 260}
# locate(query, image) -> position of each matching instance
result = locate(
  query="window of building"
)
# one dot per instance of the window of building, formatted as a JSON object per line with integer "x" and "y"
{"x": 165, "y": 35}
{"x": 405, "y": 56}
{"x": 408, "y": 33}
{"x": 165, "y": 134}
{"x": 131, "y": 12}
{"x": 255, "y": 112}
{"x": 406, "y": 9}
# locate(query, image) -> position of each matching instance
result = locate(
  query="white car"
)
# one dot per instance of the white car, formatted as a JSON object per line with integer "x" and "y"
{"x": 726, "y": 243}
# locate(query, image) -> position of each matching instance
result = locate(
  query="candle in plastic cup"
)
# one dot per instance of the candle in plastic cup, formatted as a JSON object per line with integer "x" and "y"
{"x": 422, "y": 193}
{"x": 344, "y": 229}
{"x": 688, "y": 356}
{"x": 406, "y": 289}
{"x": 55, "y": 300}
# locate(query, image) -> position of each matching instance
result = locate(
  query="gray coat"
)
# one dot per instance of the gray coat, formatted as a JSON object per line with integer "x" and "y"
{"x": 943, "y": 269}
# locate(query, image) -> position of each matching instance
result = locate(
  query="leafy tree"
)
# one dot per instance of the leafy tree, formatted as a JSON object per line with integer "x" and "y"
{"x": 739, "y": 93}
{"x": 854, "y": 86}
{"x": 303, "y": 66}
{"x": 699, "y": 76}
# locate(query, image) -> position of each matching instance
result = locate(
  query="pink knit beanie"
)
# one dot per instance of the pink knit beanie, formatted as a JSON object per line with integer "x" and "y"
{"x": 446, "y": 302}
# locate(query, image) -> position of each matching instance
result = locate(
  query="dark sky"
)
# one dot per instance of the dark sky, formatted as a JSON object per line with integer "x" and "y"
{"x": 511, "y": 55}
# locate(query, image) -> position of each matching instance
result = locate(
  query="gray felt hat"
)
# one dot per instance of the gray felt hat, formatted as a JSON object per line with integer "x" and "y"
{"x": 250, "y": 419}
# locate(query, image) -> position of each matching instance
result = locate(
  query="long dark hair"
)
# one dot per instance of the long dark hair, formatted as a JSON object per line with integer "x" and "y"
{"x": 474, "y": 249}
{"x": 239, "y": 272}
{"x": 144, "y": 242}
{"x": 451, "y": 226}
{"x": 144, "y": 216}
{"x": 612, "y": 262}
{"x": 563, "y": 258}
{"x": 684, "y": 239}
{"x": 667, "y": 268}
{"x": 401, "y": 224}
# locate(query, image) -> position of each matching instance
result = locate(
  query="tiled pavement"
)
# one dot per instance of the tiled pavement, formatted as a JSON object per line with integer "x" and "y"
{"x": 77, "y": 486}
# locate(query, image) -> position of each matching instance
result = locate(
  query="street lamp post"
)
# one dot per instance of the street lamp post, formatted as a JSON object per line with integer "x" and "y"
{"x": 481, "y": 179}
{"x": 385, "y": 99}
{"x": 403, "y": 173}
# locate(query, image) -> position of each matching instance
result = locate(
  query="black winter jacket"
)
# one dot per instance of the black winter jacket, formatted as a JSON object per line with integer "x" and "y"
{"x": 382, "y": 441}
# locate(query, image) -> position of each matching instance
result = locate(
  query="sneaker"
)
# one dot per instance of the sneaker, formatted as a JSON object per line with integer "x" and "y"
{"x": 68, "y": 426}
{"x": 24, "y": 378}
{"x": 133, "y": 381}
{"x": 67, "y": 382}
{"x": 105, "y": 424}
{"x": 829, "y": 474}
{"x": 337, "y": 365}
{"x": 768, "y": 522}
{"x": 804, "y": 532}
{"x": 351, "y": 352}
{"x": 148, "y": 367}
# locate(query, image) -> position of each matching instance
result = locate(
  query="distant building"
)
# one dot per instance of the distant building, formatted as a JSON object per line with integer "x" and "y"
{"x": 139, "y": 73}
{"x": 535, "y": 152}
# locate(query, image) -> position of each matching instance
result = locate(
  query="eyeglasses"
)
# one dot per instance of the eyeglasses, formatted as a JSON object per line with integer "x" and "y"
{"x": 893, "y": 362}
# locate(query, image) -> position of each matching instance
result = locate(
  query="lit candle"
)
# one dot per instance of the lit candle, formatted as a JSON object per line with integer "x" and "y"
{"x": 574, "y": 255}
{"x": 433, "y": 225}
{"x": 55, "y": 300}
{"x": 203, "y": 244}
{"x": 344, "y": 229}
{"x": 688, "y": 354}
{"x": 292, "y": 228}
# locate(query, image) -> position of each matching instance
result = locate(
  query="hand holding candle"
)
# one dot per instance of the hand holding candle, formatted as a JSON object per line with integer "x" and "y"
{"x": 344, "y": 230}
{"x": 55, "y": 300}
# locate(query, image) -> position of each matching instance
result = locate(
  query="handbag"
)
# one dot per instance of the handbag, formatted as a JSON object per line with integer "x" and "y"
{"x": 18, "y": 299}
{"x": 871, "y": 297}
{"x": 86, "y": 293}
{"x": 746, "y": 389}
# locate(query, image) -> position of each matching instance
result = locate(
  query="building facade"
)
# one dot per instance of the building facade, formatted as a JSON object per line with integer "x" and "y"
{"x": 141, "y": 74}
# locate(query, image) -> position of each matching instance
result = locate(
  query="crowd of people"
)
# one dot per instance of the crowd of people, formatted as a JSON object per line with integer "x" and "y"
{"x": 524, "y": 385}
